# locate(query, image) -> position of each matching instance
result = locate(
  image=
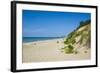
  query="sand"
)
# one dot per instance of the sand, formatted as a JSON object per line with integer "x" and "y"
{"x": 50, "y": 50}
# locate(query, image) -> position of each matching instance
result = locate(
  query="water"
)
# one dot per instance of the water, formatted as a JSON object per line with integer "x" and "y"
{"x": 32, "y": 39}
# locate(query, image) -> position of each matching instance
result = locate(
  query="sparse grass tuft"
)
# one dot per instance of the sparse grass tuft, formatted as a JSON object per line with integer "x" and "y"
{"x": 76, "y": 52}
{"x": 57, "y": 41}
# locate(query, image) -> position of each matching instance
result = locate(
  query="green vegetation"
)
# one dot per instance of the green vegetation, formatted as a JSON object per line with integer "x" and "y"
{"x": 84, "y": 34}
{"x": 83, "y": 23}
{"x": 68, "y": 49}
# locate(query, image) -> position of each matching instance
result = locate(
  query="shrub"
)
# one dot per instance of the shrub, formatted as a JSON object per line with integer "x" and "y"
{"x": 68, "y": 49}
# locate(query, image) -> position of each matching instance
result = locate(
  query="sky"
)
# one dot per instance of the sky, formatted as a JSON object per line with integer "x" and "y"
{"x": 49, "y": 23}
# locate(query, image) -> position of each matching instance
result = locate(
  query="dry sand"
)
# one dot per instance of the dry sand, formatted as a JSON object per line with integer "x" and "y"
{"x": 50, "y": 50}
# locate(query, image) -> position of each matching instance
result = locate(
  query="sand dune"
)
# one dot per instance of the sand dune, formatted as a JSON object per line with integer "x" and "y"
{"x": 49, "y": 50}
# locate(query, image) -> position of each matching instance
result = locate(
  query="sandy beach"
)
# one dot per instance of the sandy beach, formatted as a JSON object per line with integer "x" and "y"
{"x": 50, "y": 50}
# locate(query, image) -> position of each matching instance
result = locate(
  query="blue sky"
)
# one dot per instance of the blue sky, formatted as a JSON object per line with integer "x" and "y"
{"x": 50, "y": 24}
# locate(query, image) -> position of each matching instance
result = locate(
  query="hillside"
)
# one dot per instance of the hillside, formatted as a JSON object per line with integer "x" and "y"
{"x": 79, "y": 39}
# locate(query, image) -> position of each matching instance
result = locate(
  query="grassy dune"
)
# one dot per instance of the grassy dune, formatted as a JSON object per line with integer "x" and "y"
{"x": 79, "y": 38}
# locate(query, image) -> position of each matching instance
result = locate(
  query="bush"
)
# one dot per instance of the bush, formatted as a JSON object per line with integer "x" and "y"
{"x": 68, "y": 49}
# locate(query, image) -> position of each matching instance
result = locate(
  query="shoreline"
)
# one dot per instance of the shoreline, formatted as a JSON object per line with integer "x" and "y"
{"x": 43, "y": 41}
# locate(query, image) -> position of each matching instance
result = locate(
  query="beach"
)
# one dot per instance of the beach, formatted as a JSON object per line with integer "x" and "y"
{"x": 50, "y": 50}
